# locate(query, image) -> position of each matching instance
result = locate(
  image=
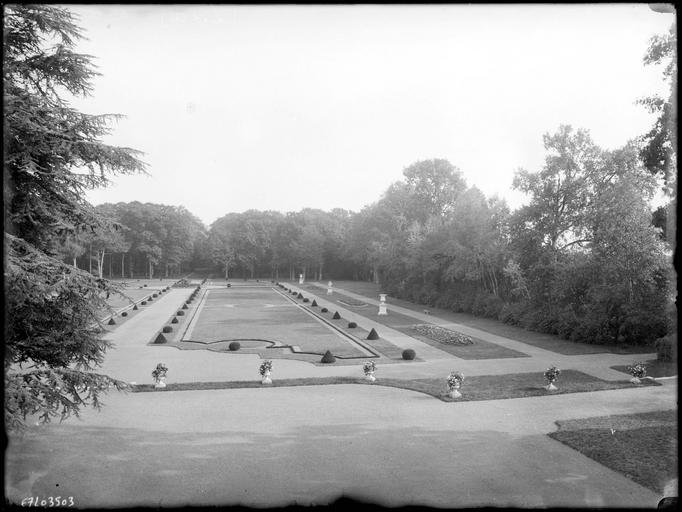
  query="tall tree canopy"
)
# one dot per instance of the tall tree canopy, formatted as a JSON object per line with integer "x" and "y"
{"x": 53, "y": 153}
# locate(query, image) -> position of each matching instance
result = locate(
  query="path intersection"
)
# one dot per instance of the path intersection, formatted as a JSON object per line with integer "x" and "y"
{"x": 314, "y": 444}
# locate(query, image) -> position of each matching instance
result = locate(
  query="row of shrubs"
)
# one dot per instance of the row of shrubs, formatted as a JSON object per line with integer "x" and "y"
{"x": 160, "y": 338}
{"x": 143, "y": 302}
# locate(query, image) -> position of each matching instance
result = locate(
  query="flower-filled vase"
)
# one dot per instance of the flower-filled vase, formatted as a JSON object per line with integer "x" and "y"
{"x": 454, "y": 382}
{"x": 638, "y": 372}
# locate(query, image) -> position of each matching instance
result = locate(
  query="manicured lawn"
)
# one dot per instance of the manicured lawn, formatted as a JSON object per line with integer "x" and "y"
{"x": 643, "y": 447}
{"x": 494, "y": 326}
{"x": 261, "y": 313}
{"x": 476, "y": 388}
{"x": 654, "y": 368}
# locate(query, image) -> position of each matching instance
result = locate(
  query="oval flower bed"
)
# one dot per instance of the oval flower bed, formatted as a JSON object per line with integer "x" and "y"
{"x": 442, "y": 334}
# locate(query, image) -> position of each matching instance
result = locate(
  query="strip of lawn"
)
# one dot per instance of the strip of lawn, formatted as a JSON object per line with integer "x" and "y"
{"x": 643, "y": 447}
{"x": 475, "y": 388}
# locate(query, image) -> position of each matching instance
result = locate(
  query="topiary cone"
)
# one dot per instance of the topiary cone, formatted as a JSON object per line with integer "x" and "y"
{"x": 160, "y": 339}
{"x": 336, "y": 316}
{"x": 175, "y": 320}
{"x": 314, "y": 304}
{"x": 111, "y": 321}
{"x": 135, "y": 308}
{"x": 372, "y": 335}
{"x": 328, "y": 357}
{"x": 184, "y": 306}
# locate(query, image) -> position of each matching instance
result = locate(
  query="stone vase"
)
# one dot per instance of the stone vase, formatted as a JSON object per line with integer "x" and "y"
{"x": 636, "y": 381}
{"x": 370, "y": 377}
{"x": 551, "y": 387}
{"x": 454, "y": 392}
{"x": 160, "y": 382}
{"x": 266, "y": 378}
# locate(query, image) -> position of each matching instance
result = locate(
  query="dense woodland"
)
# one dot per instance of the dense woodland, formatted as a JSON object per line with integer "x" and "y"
{"x": 586, "y": 258}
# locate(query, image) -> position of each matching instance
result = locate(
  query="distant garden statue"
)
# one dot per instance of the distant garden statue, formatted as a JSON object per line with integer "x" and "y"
{"x": 329, "y": 288}
{"x": 638, "y": 371}
{"x": 455, "y": 380}
{"x": 265, "y": 369}
{"x": 159, "y": 375}
{"x": 369, "y": 368}
{"x": 552, "y": 374}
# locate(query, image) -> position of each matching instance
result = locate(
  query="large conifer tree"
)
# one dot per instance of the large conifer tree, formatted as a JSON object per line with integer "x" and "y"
{"x": 53, "y": 154}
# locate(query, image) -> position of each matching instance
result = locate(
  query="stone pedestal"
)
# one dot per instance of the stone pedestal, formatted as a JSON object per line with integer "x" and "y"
{"x": 382, "y": 309}
{"x": 160, "y": 383}
{"x": 300, "y": 279}
{"x": 329, "y": 288}
{"x": 266, "y": 378}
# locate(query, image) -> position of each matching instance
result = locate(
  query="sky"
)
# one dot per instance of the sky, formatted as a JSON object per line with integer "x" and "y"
{"x": 291, "y": 107}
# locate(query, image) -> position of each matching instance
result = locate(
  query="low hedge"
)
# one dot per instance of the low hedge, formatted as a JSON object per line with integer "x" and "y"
{"x": 666, "y": 348}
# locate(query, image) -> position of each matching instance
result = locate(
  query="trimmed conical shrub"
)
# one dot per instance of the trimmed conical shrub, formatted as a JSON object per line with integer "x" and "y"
{"x": 175, "y": 320}
{"x": 300, "y": 295}
{"x": 328, "y": 357}
{"x": 372, "y": 335}
{"x": 111, "y": 321}
{"x": 135, "y": 308}
{"x": 160, "y": 339}
{"x": 150, "y": 299}
{"x": 314, "y": 303}
{"x": 336, "y": 316}
{"x": 167, "y": 328}
{"x": 184, "y": 306}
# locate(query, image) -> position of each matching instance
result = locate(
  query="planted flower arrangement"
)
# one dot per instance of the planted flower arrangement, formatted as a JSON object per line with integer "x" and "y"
{"x": 552, "y": 375}
{"x": 159, "y": 375}
{"x": 638, "y": 371}
{"x": 442, "y": 335}
{"x": 369, "y": 368}
{"x": 265, "y": 369}
{"x": 454, "y": 381}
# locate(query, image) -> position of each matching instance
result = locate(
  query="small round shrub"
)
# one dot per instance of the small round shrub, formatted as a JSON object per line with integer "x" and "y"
{"x": 328, "y": 358}
{"x": 125, "y": 313}
{"x": 174, "y": 321}
{"x": 306, "y": 299}
{"x": 324, "y": 310}
{"x": 144, "y": 302}
{"x": 167, "y": 328}
{"x": 352, "y": 325}
{"x": 144, "y": 285}
{"x": 336, "y": 316}
{"x": 155, "y": 295}
{"x": 409, "y": 354}
{"x": 181, "y": 313}
{"x": 234, "y": 346}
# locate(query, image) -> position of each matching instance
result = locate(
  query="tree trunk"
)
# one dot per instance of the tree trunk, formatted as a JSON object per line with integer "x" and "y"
{"x": 319, "y": 277}
{"x": 74, "y": 262}
{"x": 132, "y": 266}
{"x": 123, "y": 267}
{"x": 90, "y": 259}
{"x": 111, "y": 257}
{"x": 151, "y": 268}
{"x": 100, "y": 264}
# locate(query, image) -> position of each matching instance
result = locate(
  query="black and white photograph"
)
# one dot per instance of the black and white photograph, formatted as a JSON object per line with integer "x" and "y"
{"x": 375, "y": 256}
